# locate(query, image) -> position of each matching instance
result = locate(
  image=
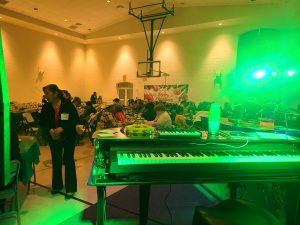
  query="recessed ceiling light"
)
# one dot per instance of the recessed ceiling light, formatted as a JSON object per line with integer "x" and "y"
{"x": 220, "y": 24}
{"x": 65, "y": 20}
{"x": 108, "y": 1}
{"x": 162, "y": 32}
{"x": 0, "y": 17}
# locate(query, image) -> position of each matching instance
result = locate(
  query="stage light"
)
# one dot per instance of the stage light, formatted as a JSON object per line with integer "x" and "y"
{"x": 291, "y": 73}
{"x": 259, "y": 74}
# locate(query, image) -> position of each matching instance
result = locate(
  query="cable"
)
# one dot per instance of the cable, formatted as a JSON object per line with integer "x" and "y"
{"x": 227, "y": 145}
{"x": 277, "y": 189}
{"x": 166, "y": 204}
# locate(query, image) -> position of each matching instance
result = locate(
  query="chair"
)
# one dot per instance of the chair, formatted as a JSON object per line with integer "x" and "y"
{"x": 82, "y": 130}
{"x": 12, "y": 191}
{"x": 233, "y": 212}
{"x": 29, "y": 125}
{"x": 93, "y": 124}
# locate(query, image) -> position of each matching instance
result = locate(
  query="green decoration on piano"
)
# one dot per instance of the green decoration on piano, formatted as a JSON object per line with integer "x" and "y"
{"x": 214, "y": 119}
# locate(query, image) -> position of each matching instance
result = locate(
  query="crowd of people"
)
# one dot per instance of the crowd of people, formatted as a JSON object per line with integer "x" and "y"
{"x": 155, "y": 113}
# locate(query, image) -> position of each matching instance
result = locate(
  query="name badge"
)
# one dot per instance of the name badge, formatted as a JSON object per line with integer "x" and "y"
{"x": 64, "y": 116}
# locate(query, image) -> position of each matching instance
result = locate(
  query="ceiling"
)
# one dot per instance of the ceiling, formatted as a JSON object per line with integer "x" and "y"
{"x": 87, "y": 16}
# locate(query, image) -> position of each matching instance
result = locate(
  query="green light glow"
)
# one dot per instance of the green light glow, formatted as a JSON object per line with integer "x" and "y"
{"x": 6, "y": 114}
{"x": 266, "y": 69}
{"x": 259, "y": 74}
{"x": 291, "y": 73}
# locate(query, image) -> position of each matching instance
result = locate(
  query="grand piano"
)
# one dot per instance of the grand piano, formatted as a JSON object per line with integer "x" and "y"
{"x": 193, "y": 157}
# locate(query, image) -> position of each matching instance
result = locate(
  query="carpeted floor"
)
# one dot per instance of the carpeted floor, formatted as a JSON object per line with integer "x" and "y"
{"x": 123, "y": 206}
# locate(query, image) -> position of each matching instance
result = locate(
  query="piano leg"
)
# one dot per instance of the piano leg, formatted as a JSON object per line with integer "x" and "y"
{"x": 144, "y": 203}
{"x": 233, "y": 190}
{"x": 292, "y": 207}
{"x": 101, "y": 206}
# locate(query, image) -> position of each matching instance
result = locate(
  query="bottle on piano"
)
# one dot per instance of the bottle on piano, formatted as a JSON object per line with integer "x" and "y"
{"x": 214, "y": 118}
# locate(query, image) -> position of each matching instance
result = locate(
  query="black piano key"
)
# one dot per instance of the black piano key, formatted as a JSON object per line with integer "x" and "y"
{"x": 233, "y": 153}
{"x": 207, "y": 153}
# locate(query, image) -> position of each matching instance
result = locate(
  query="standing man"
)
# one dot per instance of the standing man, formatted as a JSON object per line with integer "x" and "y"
{"x": 58, "y": 120}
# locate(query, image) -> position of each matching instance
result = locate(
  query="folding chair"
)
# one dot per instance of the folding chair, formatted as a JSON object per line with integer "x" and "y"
{"x": 12, "y": 191}
{"x": 93, "y": 125}
{"x": 82, "y": 130}
{"x": 29, "y": 125}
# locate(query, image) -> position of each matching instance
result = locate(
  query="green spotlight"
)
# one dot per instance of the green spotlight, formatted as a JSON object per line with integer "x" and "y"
{"x": 291, "y": 73}
{"x": 259, "y": 74}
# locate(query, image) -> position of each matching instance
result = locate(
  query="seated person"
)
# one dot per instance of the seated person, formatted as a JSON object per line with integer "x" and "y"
{"x": 117, "y": 101}
{"x": 173, "y": 112}
{"x": 108, "y": 120}
{"x": 89, "y": 109}
{"x": 93, "y": 98}
{"x": 138, "y": 106}
{"x": 180, "y": 119}
{"x": 162, "y": 119}
{"x": 119, "y": 114}
{"x": 76, "y": 101}
{"x": 99, "y": 100}
{"x": 130, "y": 103}
{"x": 227, "y": 110}
{"x": 192, "y": 109}
{"x": 149, "y": 113}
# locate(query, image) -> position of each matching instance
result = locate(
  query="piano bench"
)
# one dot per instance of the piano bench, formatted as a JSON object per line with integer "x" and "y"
{"x": 233, "y": 212}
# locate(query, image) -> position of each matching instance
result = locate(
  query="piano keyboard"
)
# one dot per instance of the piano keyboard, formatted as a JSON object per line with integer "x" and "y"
{"x": 179, "y": 133}
{"x": 138, "y": 158}
{"x": 172, "y": 159}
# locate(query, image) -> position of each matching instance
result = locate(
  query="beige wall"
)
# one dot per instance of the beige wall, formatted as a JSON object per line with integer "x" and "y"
{"x": 189, "y": 57}
{"x": 27, "y": 52}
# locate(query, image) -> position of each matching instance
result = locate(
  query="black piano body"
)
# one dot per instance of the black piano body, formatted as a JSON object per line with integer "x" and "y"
{"x": 121, "y": 160}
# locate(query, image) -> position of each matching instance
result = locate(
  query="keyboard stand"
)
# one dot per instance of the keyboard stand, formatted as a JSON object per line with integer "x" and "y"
{"x": 101, "y": 205}
{"x": 144, "y": 203}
